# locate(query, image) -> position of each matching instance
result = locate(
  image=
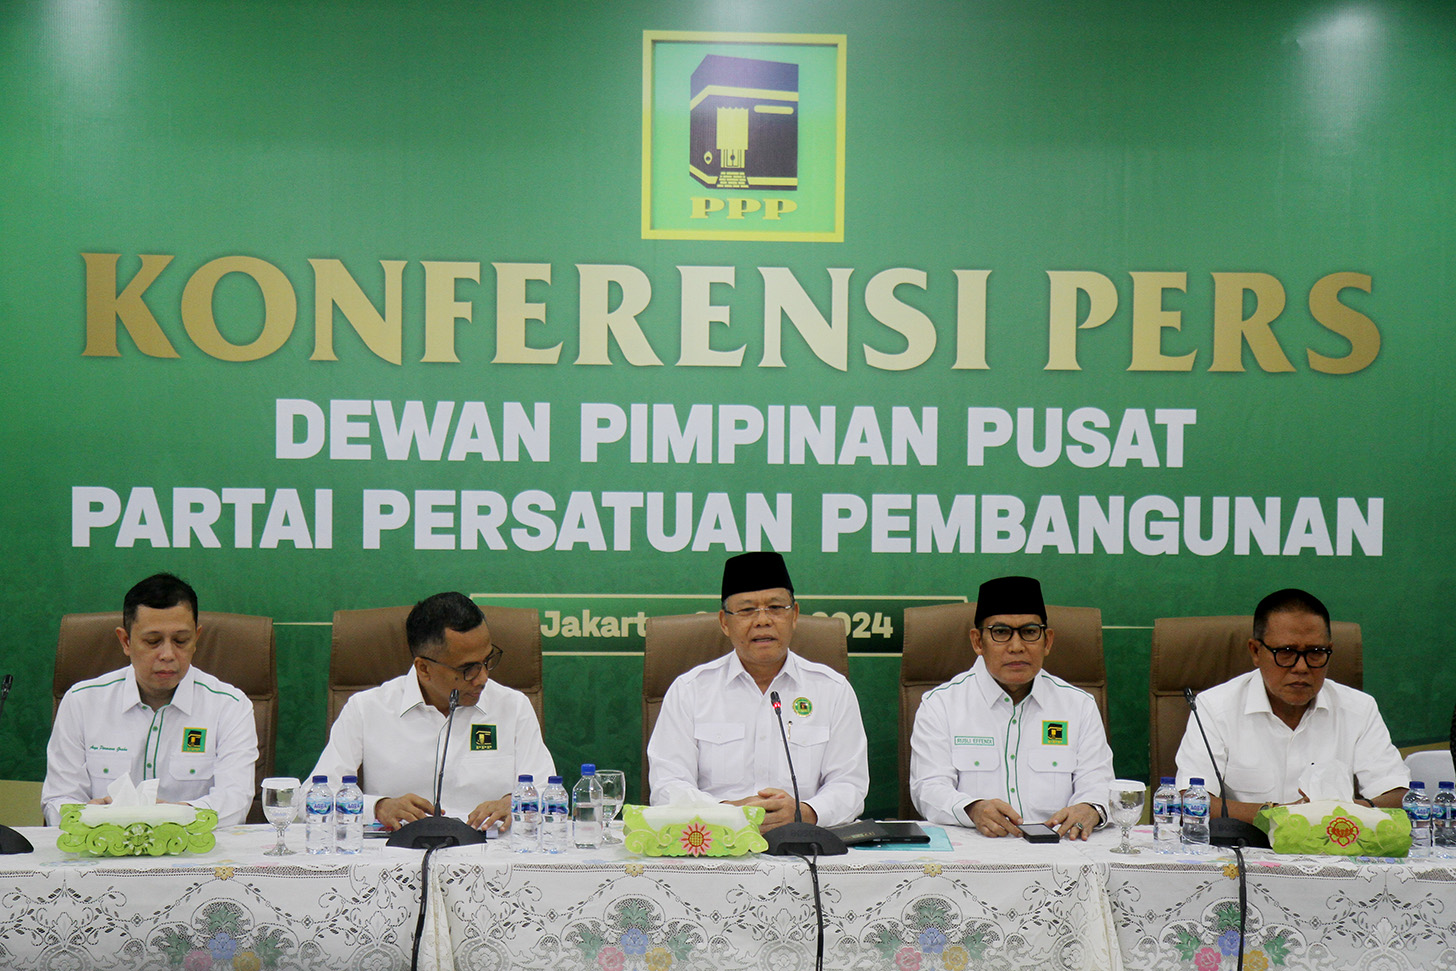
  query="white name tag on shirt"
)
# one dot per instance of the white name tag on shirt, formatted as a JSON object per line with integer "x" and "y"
{"x": 974, "y": 740}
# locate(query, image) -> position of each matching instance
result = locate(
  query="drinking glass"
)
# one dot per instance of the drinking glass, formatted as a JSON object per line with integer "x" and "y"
{"x": 1126, "y": 797}
{"x": 614, "y": 793}
{"x": 278, "y": 807}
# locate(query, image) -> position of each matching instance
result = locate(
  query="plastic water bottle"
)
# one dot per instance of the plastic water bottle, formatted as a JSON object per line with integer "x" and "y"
{"x": 349, "y": 816}
{"x": 555, "y": 812}
{"x": 1195, "y": 815}
{"x": 1167, "y": 816}
{"x": 318, "y": 812}
{"x": 1417, "y": 806}
{"x": 1443, "y": 819}
{"x": 525, "y": 816}
{"x": 586, "y": 809}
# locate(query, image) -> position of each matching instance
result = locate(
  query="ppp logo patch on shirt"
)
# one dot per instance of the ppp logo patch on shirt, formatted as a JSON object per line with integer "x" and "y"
{"x": 1053, "y": 733}
{"x": 803, "y": 707}
{"x": 194, "y": 739}
{"x": 482, "y": 738}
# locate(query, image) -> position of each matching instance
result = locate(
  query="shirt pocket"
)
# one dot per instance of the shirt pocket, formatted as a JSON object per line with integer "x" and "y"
{"x": 190, "y": 775}
{"x": 1250, "y": 781}
{"x": 976, "y": 764}
{"x": 104, "y": 768}
{"x": 720, "y": 751}
{"x": 808, "y": 743}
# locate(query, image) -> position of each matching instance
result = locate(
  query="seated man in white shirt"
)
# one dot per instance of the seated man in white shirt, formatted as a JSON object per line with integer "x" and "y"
{"x": 1006, "y": 743}
{"x": 717, "y": 737}
{"x": 391, "y": 735}
{"x": 160, "y": 718}
{"x": 1268, "y": 726}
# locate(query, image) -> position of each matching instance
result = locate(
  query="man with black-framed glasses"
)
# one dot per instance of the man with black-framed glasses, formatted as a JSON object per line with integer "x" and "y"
{"x": 717, "y": 736}
{"x": 1271, "y": 725}
{"x": 1006, "y": 743}
{"x": 388, "y": 735}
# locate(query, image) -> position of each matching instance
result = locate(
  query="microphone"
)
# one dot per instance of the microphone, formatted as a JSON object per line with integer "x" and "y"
{"x": 1222, "y": 830}
{"x": 439, "y": 829}
{"x": 798, "y": 838}
{"x": 10, "y": 840}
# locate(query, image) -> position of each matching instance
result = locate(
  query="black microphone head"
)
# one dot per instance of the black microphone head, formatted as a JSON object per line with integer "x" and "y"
{"x": 454, "y": 698}
{"x": 1188, "y": 697}
{"x": 5, "y": 684}
{"x": 773, "y": 697}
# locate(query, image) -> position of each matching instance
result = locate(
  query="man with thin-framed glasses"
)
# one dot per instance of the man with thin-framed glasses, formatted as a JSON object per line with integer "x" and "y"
{"x": 1271, "y": 725}
{"x": 1006, "y": 743}
{"x": 717, "y": 736}
{"x": 389, "y": 734}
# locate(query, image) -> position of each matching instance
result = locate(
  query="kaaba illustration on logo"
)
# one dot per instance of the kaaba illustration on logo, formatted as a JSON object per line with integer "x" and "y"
{"x": 745, "y": 124}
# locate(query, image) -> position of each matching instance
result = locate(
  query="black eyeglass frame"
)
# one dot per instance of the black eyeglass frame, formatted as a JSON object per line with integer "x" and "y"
{"x": 773, "y": 610}
{"x": 469, "y": 672}
{"x": 1007, "y": 630}
{"x": 1295, "y": 654}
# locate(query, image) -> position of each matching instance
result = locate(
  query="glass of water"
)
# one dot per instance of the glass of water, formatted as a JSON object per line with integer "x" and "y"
{"x": 1126, "y": 797}
{"x": 614, "y": 793}
{"x": 278, "y": 807}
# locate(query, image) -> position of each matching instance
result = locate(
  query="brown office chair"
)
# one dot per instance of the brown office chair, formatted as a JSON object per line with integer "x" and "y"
{"x": 681, "y": 642}
{"x": 1200, "y": 652}
{"x": 937, "y": 647}
{"x": 238, "y": 648}
{"x": 369, "y": 648}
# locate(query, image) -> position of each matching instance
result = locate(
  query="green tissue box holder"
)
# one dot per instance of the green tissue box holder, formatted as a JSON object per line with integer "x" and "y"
{"x": 135, "y": 839}
{"x": 1327, "y": 827}
{"x": 692, "y": 837}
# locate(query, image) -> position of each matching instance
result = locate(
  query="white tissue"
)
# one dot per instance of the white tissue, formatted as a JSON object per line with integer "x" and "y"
{"x": 713, "y": 813}
{"x": 135, "y": 804}
{"x": 1327, "y": 780}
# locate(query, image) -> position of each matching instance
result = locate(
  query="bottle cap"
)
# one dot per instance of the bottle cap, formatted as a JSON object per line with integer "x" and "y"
{"x": 554, "y": 780}
{"x": 524, "y": 778}
{"x": 588, "y": 769}
{"x": 1167, "y": 780}
{"x": 351, "y": 780}
{"x": 1418, "y": 785}
{"x": 1195, "y": 781}
{"x": 1448, "y": 785}
{"x": 320, "y": 778}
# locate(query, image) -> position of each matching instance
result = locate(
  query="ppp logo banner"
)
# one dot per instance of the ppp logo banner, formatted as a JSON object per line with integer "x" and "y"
{"x": 743, "y": 136}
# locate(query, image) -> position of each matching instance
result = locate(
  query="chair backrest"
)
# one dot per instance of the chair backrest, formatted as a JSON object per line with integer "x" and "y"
{"x": 1431, "y": 766}
{"x": 681, "y": 642}
{"x": 1200, "y": 652}
{"x": 937, "y": 647}
{"x": 369, "y": 648}
{"x": 238, "y": 648}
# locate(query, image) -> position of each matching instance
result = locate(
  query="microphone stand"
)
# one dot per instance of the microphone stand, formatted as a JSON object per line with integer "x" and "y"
{"x": 1223, "y": 831}
{"x": 438, "y": 830}
{"x": 798, "y": 837}
{"x": 10, "y": 840}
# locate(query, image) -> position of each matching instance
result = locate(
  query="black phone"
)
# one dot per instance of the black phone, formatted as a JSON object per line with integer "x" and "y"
{"x": 1039, "y": 833}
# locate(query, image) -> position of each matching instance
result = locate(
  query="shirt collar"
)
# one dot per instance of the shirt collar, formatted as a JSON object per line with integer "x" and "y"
{"x": 1256, "y": 697}
{"x": 411, "y": 697}
{"x": 992, "y": 692}
{"x": 183, "y": 699}
{"x": 791, "y": 672}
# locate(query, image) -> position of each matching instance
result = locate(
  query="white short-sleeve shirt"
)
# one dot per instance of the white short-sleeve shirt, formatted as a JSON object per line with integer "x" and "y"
{"x": 388, "y": 736}
{"x": 201, "y": 746}
{"x": 970, "y": 743}
{"x": 1262, "y": 758}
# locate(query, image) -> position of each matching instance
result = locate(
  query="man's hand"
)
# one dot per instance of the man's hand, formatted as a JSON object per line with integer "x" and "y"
{"x": 995, "y": 817}
{"x": 103, "y": 801}
{"x": 1075, "y": 822}
{"x": 490, "y": 812}
{"x": 778, "y": 808}
{"x": 394, "y": 813}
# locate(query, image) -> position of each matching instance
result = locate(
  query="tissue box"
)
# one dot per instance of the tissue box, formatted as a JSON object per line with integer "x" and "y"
{"x": 693, "y": 830}
{"x": 1333, "y": 827}
{"x": 134, "y": 838}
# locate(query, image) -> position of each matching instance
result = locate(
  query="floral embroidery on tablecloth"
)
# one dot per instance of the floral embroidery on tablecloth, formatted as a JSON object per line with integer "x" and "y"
{"x": 220, "y": 937}
{"x": 632, "y": 934}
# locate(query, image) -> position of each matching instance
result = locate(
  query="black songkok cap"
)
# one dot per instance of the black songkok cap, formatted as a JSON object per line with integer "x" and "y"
{"x": 1010, "y": 595}
{"x": 747, "y": 572}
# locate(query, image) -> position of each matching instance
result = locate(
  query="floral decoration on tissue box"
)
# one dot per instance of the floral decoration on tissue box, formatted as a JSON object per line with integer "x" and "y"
{"x": 1336, "y": 827}
{"x": 715, "y": 830}
{"x": 129, "y": 833}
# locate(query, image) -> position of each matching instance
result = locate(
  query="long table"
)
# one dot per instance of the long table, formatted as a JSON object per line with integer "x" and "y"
{"x": 983, "y": 904}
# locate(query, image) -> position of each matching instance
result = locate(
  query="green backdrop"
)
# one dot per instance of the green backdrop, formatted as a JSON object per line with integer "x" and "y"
{"x": 437, "y": 168}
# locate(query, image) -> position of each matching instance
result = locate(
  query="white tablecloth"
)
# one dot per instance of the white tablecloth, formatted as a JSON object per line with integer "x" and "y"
{"x": 995, "y": 904}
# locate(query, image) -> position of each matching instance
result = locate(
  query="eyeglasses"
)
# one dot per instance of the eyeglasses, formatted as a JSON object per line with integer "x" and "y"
{"x": 773, "y": 610}
{"x": 1287, "y": 657}
{"x": 1029, "y": 633}
{"x": 471, "y": 671}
